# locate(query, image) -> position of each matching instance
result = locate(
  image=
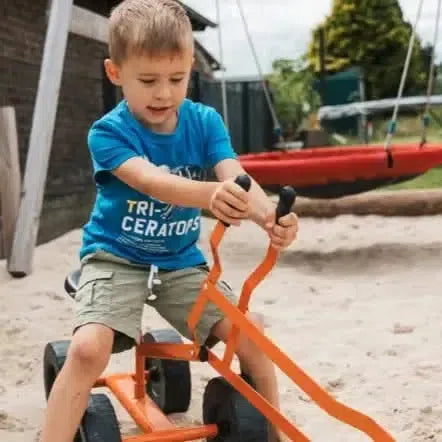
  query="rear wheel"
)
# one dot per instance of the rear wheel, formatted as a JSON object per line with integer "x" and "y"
{"x": 99, "y": 422}
{"x": 54, "y": 357}
{"x": 169, "y": 384}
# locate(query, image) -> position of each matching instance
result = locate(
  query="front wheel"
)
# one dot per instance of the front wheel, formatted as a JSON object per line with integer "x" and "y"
{"x": 99, "y": 423}
{"x": 237, "y": 419}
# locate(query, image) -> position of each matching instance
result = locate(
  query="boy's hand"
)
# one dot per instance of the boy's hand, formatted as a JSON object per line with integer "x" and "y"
{"x": 283, "y": 233}
{"x": 230, "y": 203}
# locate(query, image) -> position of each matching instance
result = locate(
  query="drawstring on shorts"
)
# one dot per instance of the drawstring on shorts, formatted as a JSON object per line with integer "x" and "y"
{"x": 152, "y": 281}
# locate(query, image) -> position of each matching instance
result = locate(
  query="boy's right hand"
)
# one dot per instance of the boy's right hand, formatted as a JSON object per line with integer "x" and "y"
{"x": 230, "y": 203}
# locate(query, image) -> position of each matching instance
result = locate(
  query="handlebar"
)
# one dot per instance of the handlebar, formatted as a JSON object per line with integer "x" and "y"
{"x": 245, "y": 182}
{"x": 287, "y": 197}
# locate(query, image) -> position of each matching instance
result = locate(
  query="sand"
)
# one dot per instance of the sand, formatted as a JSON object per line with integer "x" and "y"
{"x": 356, "y": 302}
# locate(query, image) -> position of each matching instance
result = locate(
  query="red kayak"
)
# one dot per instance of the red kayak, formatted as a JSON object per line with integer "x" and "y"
{"x": 336, "y": 167}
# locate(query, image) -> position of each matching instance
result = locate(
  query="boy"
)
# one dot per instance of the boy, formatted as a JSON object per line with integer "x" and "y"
{"x": 148, "y": 155}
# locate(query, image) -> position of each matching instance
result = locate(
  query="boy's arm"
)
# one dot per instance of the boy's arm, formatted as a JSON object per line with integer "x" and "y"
{"x": 261, "y": 206}
{"x": 164, "y": 186}
{"x": 227, "y": 201}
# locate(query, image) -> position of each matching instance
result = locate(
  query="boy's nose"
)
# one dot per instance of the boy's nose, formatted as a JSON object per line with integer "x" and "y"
{"x": 163, "y": 93}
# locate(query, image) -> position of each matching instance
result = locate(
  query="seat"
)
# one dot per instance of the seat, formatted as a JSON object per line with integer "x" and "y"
{"x": 71, "y": 283}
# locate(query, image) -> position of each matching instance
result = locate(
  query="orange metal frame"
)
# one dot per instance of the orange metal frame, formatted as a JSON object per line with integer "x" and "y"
{"x": 130, "y": 390}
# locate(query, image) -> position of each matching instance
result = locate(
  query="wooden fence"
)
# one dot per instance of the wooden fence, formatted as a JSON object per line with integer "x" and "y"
{"x": 10, "y": 181}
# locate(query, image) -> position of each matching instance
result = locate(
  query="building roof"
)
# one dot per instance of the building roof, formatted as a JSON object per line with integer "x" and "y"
{"x": 214, "y": 64}
{"x": 199, "y": 22}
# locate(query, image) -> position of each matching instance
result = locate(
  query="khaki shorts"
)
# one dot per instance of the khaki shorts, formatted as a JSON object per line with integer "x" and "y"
{"x": 113, "y": 292}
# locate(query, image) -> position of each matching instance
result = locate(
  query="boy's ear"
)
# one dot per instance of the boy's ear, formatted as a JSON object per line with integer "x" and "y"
{"x": 112, "y": 72}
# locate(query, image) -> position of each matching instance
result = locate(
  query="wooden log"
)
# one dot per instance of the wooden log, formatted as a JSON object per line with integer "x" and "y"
{"x": 10, "y": 179}
{"x": 422, "y": 202}
{"x": 40, "y": 142}
{"x": 384, "y": 203}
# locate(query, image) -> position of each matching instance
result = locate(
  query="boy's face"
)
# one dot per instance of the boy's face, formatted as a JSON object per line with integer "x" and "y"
{"x": 154, "y": 87}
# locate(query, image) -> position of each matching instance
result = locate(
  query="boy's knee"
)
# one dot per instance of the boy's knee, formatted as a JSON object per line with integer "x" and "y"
{"x": 91, "y": 348}
{"x": 246, "y": 345}
{"x": 222, "y": 332}
{"x": 257, "y": 319}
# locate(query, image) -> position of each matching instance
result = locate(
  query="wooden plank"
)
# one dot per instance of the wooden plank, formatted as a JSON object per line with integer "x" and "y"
{"x": 43, "y": 122}
{"x": 10, "y": 179}
{"x": 89, "y": 24}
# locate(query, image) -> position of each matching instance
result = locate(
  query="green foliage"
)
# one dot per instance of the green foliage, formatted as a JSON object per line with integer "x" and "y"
{"x": 291, "y": 83}
{"x": 373, "y": 35}
{"x": 429, "y": 180}
{"x": 438, "y": 81}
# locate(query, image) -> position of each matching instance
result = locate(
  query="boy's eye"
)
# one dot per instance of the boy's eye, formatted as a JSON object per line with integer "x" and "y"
{"x": 144, "y": 81}
{"x": 176, "y": 80}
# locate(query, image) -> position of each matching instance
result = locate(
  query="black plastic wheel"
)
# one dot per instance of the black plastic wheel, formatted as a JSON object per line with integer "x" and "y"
{"x": 170, "y": 382}
{"x": 237, "y": 419}
{"x": 99, "y": 423}
{"x": 53, "y": 360}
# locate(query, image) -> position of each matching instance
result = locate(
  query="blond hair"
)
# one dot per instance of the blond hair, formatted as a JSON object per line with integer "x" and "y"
{"x": 148, "y": 27}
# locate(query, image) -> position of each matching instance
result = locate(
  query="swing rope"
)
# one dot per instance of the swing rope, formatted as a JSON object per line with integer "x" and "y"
{"x": 393, "y": 122}
{"x": 276, "y": 123}
{"x": 426, "y": 115}
{"x": 221, "y": 59}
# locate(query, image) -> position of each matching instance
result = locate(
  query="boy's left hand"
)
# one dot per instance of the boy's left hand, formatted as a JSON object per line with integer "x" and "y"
{"x": 283, "y": 233}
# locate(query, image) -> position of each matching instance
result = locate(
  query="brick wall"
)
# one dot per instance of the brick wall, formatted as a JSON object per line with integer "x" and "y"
{"x": 69, "y": 189}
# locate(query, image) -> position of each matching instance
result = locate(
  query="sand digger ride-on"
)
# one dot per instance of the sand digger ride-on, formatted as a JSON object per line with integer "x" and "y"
{"x": 232, "y": 410}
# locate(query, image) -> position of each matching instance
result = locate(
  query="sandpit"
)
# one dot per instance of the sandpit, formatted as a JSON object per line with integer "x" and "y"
{"x": 355, "y": 302}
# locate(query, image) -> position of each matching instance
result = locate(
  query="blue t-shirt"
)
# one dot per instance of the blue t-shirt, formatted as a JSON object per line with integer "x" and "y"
{"x": 133, "y": 225}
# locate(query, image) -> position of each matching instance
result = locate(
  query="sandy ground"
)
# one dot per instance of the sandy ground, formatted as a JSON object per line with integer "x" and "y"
{"x": 356, "y": 302}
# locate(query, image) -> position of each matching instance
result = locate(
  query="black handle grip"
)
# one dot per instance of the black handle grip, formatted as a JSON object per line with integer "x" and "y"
{"x": 243, "y": 181}
{"x": 287, "y": 197}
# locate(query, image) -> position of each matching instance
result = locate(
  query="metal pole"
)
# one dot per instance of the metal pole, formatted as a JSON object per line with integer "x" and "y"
{"x": 221, "y": 59}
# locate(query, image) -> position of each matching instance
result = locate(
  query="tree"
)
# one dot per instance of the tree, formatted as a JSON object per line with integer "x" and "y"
{"x": 291, "y": 83}
{"x": 373, "y": 35}
{"x": 438, "y": 80}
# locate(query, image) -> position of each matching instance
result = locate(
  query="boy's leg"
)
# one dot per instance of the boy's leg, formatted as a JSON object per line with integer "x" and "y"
{"x": 109, "y": 306}
{"x": 88, "y": 356}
